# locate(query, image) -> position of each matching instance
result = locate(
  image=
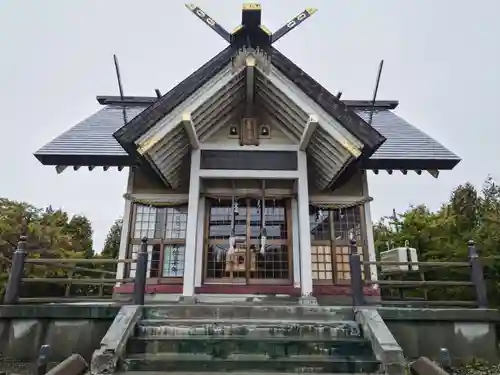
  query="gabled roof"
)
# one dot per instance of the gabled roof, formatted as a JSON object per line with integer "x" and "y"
{"x": 90, "y": 142}
{"x": 141, "y": 124}
{"x": 407, "y": 147}
{"x": 276, "y": 100}
{"x": 136, "y": 127}
{"x": 160, "y": 131}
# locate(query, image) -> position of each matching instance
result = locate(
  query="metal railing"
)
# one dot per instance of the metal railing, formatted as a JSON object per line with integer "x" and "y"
{"x": 476, "y": 282}
{"x": 107, "y": 279}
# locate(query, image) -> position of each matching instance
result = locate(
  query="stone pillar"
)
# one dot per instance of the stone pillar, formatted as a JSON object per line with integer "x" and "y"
{"x": 192, "y": 223}
{"x": 304, "y": 231}
{"x": 126, "y": 225}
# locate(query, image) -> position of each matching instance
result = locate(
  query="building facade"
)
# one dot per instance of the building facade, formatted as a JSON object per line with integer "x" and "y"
{"x": 248, "y": 177}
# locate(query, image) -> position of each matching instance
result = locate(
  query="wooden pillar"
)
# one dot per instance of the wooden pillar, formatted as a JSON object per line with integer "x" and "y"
{"x": 199, "y": 242}
{"x": 126, "y": 225}
{"x": 370, "y": 241}
{"x": 192, "y": 223}
{"x": 295, "y": 244}
{"x": 304, "y": 231}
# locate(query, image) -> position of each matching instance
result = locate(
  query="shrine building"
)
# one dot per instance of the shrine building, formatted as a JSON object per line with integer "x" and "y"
{"x": 248, "y": 177}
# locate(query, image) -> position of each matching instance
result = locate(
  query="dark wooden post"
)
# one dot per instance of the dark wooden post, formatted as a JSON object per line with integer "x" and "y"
{"x": 356, "y": 278}
{"x": 43, "y": 360}
{"x": 477, "y": 275}
{"x": 141, "y": 270}
{"x": 16, "y": 273}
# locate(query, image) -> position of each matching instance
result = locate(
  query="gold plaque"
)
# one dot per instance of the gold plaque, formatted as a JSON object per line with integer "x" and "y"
{"x": 252, "y": 6}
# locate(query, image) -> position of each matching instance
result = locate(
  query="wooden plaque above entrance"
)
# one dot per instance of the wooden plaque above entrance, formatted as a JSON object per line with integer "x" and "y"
{"x": 251, "y": 160}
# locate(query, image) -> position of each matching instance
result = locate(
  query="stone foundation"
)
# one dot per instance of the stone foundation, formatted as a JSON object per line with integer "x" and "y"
{"x": 67, "y": 329}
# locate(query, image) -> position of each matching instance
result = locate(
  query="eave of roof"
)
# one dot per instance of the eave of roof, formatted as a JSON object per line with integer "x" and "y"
{"x": 139, "y": 125}
{"x": 86, "y": 160}
{"x": 143, "y": 122}
{"x": 329, "y": 102}
{"x": 405, "y": 140}
{"x": 90, "y": 142}
{"x": 215, "y": 104}
{"x": 148, "y": 100}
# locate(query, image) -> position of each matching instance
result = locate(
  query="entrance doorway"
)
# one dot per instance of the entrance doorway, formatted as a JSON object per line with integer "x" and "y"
{"x": 251, "y": 260}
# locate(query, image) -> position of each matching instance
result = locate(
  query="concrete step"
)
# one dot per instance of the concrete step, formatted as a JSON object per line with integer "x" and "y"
{"x": 237, "y": 344}
{"x": 225, "y": 312}
{"x": 251, "y": 328}
{"x": 200, "y": 363}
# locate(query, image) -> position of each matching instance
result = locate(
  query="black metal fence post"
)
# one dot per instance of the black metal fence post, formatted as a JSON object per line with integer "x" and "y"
{"x": 477, "y": 275}
{"x": 16, "y": 273}
{"x": 356, "y": 277}
{"x": 141, "y": 273}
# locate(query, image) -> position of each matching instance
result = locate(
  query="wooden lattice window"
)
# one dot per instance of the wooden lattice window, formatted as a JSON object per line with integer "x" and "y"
{"x": 165, "y": 230}
{"x": 319, "y": 226}
{"x": 347, "y": 223}
{"x": 333, "y": 229}
{"x": 321, "y": 259}
{"x": 321, "y": 246}
{"x": 342, "y": 262}
{"x": 173, "y": 260}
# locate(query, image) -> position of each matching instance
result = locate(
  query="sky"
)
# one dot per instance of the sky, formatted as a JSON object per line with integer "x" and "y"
{"x": 442, "y": 62}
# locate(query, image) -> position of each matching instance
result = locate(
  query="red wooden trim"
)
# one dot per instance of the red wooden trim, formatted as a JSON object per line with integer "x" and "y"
{"x": 318, "y": 290}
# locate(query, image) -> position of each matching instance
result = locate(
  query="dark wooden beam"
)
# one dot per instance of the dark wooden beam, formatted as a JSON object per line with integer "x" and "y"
{"x": 147, "y": 100}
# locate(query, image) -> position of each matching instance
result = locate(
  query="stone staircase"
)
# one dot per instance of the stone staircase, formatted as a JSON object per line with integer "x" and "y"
{"x": 248, "y": 338}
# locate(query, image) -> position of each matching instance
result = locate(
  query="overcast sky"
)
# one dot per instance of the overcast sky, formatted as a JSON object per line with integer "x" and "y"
{"x": 442, "y": 62}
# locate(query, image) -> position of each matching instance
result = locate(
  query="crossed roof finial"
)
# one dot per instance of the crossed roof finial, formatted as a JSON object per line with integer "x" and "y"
{"x": 251, "y": 32}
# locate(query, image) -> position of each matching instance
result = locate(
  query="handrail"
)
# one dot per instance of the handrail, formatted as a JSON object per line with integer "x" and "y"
{"x": 417, "y": 283}
{"x": 78, "y": 260}
{"x": 29, "y": 300}
{"x": 74, "y": 281}
{"x": 89, "y": 288}
{"x": 474, "y": 267}
{"x": 76, "y": 268}
{"x": 420, "y": 264}
{"x": 4, "y": 258}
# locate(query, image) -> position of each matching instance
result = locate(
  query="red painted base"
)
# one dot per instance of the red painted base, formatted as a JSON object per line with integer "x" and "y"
{"x": 318, "y": 290}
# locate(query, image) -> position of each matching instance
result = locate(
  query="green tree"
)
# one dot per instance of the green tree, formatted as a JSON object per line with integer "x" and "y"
{"x": 79, "y": 229}
{"x": 112, "y": 243}
{"x": 50, "y": 234}
{"x": 442, "y": 235}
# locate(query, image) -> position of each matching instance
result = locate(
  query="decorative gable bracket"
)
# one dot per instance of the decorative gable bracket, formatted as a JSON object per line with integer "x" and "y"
{"x": 262, "y": 59}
